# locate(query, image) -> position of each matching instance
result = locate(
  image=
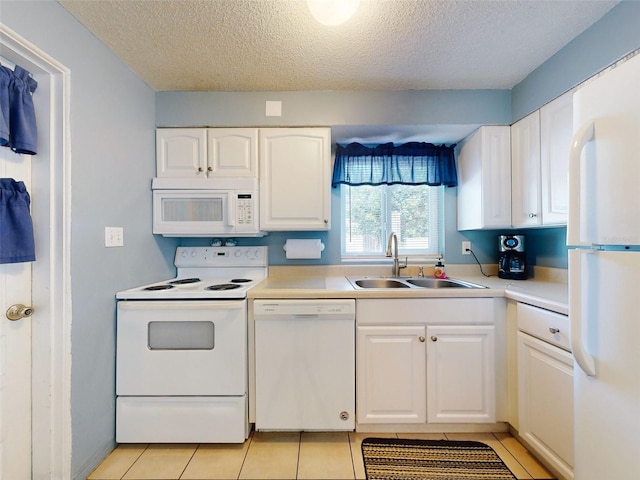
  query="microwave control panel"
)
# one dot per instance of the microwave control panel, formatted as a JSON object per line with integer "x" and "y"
{"x": 244, "y": 209}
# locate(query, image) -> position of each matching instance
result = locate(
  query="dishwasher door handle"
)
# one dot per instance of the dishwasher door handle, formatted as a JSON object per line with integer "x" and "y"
{"x": 305, "y": 315}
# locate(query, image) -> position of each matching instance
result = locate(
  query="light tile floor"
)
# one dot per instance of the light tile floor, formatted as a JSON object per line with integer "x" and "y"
{"x": 284, "y": 456}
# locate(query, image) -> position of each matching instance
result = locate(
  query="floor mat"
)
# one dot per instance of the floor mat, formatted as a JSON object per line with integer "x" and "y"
{"x": 399, "y": 459}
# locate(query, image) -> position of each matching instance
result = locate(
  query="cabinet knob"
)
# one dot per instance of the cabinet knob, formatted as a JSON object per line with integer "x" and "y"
{"x": 434, "y": 338}
{"x": 421, "y": 338}
{"x": 209, "y": 169}
{"x": 200, "y": 169}
{"x": 533, "y": 215}
{"x": 554, "y": 330}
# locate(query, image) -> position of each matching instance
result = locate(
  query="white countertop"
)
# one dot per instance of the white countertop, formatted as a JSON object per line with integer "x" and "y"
{"x": 547, "y": 289}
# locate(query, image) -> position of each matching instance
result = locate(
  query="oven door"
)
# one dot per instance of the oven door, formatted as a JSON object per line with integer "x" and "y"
{"x": 181, "y": 348}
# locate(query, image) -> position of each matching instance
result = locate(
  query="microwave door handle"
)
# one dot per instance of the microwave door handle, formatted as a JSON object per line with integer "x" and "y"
{"x": 231, "y": 210}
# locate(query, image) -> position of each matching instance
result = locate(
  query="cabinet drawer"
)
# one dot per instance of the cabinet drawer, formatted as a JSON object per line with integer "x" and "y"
{"x": 441, "y": 311}
{"x": 548, "y": 326}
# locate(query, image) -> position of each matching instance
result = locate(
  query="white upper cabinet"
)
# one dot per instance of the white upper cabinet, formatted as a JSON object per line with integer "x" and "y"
{"x": 295, "y": 179}
{"x": 232, "y": 152}
{"x": 484, "y": 179}
{"x": 181, "y": 152}
{"x": 540, "y": 158}
{"x": 207, "y": 152}
{"x": 556, "y": 133}
{"x": 525, "y": 171}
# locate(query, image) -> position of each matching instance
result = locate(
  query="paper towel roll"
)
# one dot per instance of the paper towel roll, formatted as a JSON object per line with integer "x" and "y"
{"x": 303, "y": 248}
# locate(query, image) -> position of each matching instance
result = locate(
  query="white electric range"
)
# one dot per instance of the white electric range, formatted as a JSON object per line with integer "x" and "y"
{"x": 181, "y": 362}
{"x": 207, "y": 273}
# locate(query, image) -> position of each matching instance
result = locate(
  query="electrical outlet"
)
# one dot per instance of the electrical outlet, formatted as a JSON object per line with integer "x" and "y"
{"x": 466, "y": 247}
{"x": 113, "y": 237}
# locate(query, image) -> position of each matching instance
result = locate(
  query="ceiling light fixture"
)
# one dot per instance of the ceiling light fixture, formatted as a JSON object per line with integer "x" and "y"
{"x": 332, "y": 12}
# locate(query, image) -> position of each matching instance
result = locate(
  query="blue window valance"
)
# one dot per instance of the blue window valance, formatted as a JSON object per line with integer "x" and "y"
{"x": 18, "y": 129}
{"x": 413, "y": 163}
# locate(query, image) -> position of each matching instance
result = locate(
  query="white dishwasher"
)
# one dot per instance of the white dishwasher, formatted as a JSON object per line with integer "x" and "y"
{"x": 305, "y": 364}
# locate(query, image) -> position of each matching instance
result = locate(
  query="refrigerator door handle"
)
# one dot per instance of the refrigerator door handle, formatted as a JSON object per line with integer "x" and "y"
{"x": 584, "y": 360}
{"x": 583, "y": 136}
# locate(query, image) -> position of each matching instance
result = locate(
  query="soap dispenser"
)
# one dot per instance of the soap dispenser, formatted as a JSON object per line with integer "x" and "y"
{"x": 438, "y": 271}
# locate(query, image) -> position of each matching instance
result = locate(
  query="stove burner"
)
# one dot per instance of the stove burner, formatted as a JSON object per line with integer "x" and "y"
{"x": 184, "y": 281}
{"x": 241, "y": 280}
{"x": 222, "y": 286}
{"x": 158, "y": 287}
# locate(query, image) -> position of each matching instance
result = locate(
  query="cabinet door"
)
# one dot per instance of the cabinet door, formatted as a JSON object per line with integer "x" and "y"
{"x": 460, "y": 374}
{"x": 232, "y": 152}
{"x": 545, "y": 397}
{"x": 390, "y": 371}
{"x": 484, "y": 179}
{"x": 556, "y": 132}
{"x": 526, "y": 210}
{"x": 181, "y": 152}
{"x": 295, "y": 179}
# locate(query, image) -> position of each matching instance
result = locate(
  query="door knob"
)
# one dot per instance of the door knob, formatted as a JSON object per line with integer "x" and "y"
{"x": 18, "y": 311}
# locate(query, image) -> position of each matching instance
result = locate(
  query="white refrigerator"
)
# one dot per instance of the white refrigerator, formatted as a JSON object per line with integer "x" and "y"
{"x": 603, "y": 234}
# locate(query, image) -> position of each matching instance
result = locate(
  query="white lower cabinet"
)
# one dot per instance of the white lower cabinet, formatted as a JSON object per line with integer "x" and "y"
{"x": 545, "y": 387}
{"x": 460, "y": 373}
{"x": 426, "y": 361}
{"x": 391, "y": 380}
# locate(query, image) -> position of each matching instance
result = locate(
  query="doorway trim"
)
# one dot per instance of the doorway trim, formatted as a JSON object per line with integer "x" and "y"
{"x": 51, "y": 329}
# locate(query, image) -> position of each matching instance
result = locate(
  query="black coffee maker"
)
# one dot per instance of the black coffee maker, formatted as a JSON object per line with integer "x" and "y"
{"x": 512, "y": 263}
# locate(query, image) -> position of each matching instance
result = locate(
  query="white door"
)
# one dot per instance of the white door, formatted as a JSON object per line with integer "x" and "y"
{"x": 461, "y": 374}
{"x": 15, "y": 348}
{"x": 295, "y": 179}
{"x": 545, "y": 395}
{"x": 181, "y": 152}
{"x": 391, "y": 374}
{"x": 604, "y": 306}
{"x": 525, "y": 171}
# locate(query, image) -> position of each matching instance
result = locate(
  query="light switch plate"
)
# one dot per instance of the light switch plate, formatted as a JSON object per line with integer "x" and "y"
{"x": 113, "y": 236}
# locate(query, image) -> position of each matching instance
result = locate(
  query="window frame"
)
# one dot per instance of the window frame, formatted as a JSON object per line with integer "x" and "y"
{"x": 436, "y": 219}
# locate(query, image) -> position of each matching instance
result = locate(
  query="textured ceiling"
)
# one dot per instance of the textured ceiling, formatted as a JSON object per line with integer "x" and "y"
{"x": 262, "y": 45}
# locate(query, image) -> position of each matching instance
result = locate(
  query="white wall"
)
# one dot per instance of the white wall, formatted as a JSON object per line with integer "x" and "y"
{"x": 113, "y": 151}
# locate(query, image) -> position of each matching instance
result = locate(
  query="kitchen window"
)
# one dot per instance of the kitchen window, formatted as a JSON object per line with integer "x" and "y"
{"x": 370, "y": 213}
{"x": 393, "y": 188}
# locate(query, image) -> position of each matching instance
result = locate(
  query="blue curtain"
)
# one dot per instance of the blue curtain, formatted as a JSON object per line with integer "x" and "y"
{"x": 17, "y": 115}
{"x": 16, "y": 228}
{"x": 413, "y": 163}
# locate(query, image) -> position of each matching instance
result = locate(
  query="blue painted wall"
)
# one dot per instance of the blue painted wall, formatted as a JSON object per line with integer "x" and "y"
{"x": 112, "y": 142}
{"x": 112, "y": 121}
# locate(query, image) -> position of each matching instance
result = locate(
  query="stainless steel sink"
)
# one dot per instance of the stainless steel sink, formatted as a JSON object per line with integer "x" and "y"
{"x": 380, "y": 283}
{"x": 408, "y": 282}
{"x": 441, "y": 283}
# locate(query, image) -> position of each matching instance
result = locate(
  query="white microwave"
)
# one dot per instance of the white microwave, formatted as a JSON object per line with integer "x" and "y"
{"x": 206, "y": 207}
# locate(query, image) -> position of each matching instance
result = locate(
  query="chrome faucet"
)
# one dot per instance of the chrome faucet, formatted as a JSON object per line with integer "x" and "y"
{"x": 396, "y": 263}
